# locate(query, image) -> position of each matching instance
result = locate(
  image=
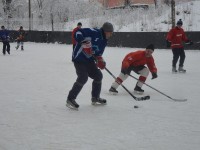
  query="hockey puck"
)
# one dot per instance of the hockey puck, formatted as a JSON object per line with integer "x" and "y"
{"x": 136, "y": 106}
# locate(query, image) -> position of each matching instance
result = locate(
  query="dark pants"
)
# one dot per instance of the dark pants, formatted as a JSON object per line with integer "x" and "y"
{"x": 178, "y": 52}
{"x": 136, "y": 69}
{"x": 6, "y": 47}
{"x": 83, "y": 71}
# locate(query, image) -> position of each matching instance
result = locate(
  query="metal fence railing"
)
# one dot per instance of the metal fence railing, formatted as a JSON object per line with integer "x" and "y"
{"x": 119, "y": 39}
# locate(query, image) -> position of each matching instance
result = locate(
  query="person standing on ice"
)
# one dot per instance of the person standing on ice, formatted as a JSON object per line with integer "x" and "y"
{"x": 88, "y": 60}
{"x": 4, "y": 37}
{"x": 79, "y": 25}
{"x": 20, "y": 38}
{"x": 175, "y": 38}
{"x": 136, "y": 61}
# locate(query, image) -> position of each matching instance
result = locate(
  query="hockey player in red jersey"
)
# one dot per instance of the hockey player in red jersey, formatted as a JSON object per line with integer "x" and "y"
{"x": 79, "y": 25}
{"x": 175, "y": 38}
{"x": 136, "y": 61}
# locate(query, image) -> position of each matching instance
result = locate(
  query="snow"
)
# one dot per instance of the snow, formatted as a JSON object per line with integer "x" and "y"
{"x": 34, "y": 85}
{"x": 152, "y": 20}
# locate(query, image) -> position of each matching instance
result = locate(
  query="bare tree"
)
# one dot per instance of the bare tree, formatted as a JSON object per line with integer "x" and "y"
{"x": 167, "y": 2}
{"x": 7, "y": 7}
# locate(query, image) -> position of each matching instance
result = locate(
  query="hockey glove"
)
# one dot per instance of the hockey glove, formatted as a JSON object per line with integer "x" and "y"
{"x": 87, "y": 48}
{"x": 100, "y": 62}
{"x": 189, "y": 42}
{"x": 168, "y": 43}
{"x": 154, "y": 75}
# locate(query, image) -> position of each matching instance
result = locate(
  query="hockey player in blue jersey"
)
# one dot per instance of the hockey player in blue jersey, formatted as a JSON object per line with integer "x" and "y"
{"x": 88, "y": 60}
{"x": 4, "y": 37}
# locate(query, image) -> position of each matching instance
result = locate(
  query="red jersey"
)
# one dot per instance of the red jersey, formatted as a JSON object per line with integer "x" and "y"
{"x": 176, "y": 36}
{"x": 138, "y": 58}
{"x": 73, "y": 40}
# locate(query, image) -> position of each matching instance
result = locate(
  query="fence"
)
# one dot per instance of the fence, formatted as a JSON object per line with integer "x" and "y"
{"x": 119, "y": 39}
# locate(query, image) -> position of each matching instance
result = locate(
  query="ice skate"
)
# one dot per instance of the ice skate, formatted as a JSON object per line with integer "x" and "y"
{"x": 174, "y": 70}
{"x": 72, "y": 104}
{"x": 98, "y": 101}
{"x": 181, "y": 70}
{"x": 113, "y": 91}
{"x": 138, "y": 90}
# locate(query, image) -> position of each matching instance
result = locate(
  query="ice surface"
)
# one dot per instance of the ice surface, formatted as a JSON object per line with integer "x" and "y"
{"x": 34, "y": 85}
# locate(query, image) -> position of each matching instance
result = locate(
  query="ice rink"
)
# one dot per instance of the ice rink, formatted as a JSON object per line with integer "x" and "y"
{"x": 34, "y": 85}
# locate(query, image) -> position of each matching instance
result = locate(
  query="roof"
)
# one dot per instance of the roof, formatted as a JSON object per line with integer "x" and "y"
{"x": 122, "y": 3}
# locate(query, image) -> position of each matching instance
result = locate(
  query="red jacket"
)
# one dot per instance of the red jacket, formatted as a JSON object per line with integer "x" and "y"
{"x": 177, "y": 36}
{"x": 138, "y": 58}
{"x": 73, "y": 40}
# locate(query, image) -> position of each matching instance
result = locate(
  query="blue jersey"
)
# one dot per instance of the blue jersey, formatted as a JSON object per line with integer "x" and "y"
{"x": 98, "y": 41}
{"x": 4, "y": 35}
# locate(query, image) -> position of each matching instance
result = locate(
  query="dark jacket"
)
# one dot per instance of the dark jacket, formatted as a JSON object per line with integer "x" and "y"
{"x": 4, "y": 35}
{"x": 98, "y": 41}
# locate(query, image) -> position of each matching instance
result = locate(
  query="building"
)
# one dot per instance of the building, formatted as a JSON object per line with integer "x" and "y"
{"x": 123, "y": 3}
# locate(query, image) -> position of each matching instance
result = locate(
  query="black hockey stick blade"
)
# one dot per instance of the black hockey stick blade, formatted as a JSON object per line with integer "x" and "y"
{"x": 142, "y": 98}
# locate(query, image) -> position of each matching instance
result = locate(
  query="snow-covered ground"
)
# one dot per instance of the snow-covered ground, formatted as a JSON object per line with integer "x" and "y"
{"x": 34, "y": 85}
{"x": 152, "y": 20}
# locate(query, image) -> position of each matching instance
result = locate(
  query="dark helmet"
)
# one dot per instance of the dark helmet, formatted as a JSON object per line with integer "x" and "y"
{"x": 107, "y": 27}
{"x": 179, "y": 22}
{"x": 21, "y": 27}
{"x": 2, "y": 27}
{"x": 150, "y": 46}
{"x": 79, "y": 24}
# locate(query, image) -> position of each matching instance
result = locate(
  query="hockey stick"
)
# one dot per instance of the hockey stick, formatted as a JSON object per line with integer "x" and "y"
{"x": 136, "y": 98}
{"x": 176, "y": 100}
{"x": 198, "y": 42}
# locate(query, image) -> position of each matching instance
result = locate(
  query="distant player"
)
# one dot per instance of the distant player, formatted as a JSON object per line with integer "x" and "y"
{"x": 175, "y": 38}
{"x": 20, "y": 38}
{"x": 136, "y": 61}
{"x": 4, "y": 37}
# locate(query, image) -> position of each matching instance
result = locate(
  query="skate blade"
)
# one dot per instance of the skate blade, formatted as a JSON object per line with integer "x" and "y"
{"x": 71, "y": 107}
{"x": 113, "y": 93}
{"x": 98, "y": 104}
{"x": 139, "y": 93}
{"x": 174, "y": 72}
{"x": 182, "y": 71}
